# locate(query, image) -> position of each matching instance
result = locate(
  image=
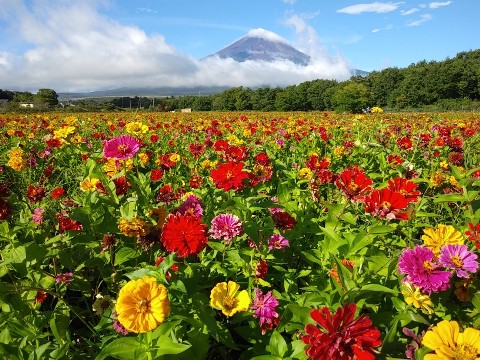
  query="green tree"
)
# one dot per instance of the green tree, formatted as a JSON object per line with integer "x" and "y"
{"x": 352, "y": 97}
{"x": 46, "y": 97}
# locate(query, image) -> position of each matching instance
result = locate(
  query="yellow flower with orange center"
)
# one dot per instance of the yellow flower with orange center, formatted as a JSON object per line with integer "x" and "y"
{"x": 305, "y": 174}
{"x": 16, "y": 159}
{"x": 339, "y": 151}
{"x": 89, "y": 184}
{"x": 135, "y": 228}
{"x": 136, "y": 128}
{"x": 144, "y": 158}
{"x": 142, "y": 305}
{"x": 435, "y": 239}
{"x": 448, "y": 343}
{"x": 438, "y": 179}
{"x": 413, "y": 296}
{"x": 225, "y": 297}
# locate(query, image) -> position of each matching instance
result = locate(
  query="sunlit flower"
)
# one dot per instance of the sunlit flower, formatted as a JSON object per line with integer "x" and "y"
{"x": 341, "y": 336}
{"x": 277, "y": 241}
{"x": 405, "y": 187}
{"x": 191, "y": 206}
{"x": 142, "y": 305}
{"x": 136, "y": 128}
{"x": 135, "y": 228}
{"x": 184, "y": 234}
{"x": 226, "y": 227}
{"x": 225, "y": 297}
{"x": 122, "y": 147}
{"x": 459, "y": 258}
{"x": 64, "y": 278}
{"x": 37, "y": 215}
{"x": 474, "y": 233}
{"x": 305, "y": 174}
{"x": 35, "y": 193}
{"x": 16, "y": 159}
{"x": 89, "y": 184}
{"x": 437, "y": 179}
{"x": 423, "y": 270}
{"x": 57, "y": 193}
{"x": 434, "y": 239}
{"x": 112, "y": 166}
{"x": 448, "y": 343}
{"x": 354, "y": 183}
{"x": 386, "y": 204}
{"x": 40, "y": 297}
{"x": 229, "y": 176}
{"x": 264, "y": 306}
{"x": 414, "y": 296}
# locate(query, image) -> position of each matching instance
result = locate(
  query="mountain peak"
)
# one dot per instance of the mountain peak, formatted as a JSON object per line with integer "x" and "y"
{"x": 263, "y": 45}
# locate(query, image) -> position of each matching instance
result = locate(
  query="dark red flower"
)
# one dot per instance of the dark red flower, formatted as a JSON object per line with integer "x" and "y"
{"x": 341, "y": 336}
{"x": 121, "y": 185}
{"x": 474, "y": 234}
{"x": 394, "y": 159}
{"x": 386, "y": 204}
{"x": 262, "y": 159}
{"x": 54, "y": 143}
{"x": 57, "y": 193}
{"x": 165, "y": 194}
{"x": 282, "y": 219}
{"x": 156, "y": 174}
{"x": 456, "y": 158}
{"x": 229, "y": 176}
{"x": 35, "y": 193}
{"x": 67, "y": 224}
{"x": 184, "y": 234}
{"x": 40, "y": 296}
{"x": 4, "y": 209}
{"x": 261, "y": 269}
{"x": 406, "y": 188}
{"x": 404, "y": 143}
{"x": 197, "y": 149}
{"x": 354, "y": 183}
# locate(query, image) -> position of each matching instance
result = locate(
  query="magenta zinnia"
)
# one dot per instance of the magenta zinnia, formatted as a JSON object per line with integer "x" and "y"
{"x": 226, "y": 227}
{"x": 122, "y": 147}
{"x": 459, "y": 258}
{"x": 265, "y": 306}
{"x": 423, "y": 270}
{"x": 341, "y": 336}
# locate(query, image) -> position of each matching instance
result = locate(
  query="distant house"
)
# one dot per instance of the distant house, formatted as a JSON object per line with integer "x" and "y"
{"x": 187, "y": 110}
{"x": 26, "y": 105}
{"x": 3, "y": 101}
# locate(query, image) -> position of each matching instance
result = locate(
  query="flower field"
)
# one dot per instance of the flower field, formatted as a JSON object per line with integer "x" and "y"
{"x": 240, "y": 236}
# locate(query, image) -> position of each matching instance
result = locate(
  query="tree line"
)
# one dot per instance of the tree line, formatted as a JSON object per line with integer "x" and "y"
{"x": 451, "y": 84}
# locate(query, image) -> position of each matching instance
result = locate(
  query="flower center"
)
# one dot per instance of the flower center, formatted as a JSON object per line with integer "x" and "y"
{"x": 427, "y": 265}
{"x": 353, "y": 187}
{"x": 123, "y": 148}
{"x": 385, "y": 204}
{"x": 229, "y": 175}
{"x": 465, "y": 352}
{"x": 228, "y": 302}
{"x": 143, "y": 306}
{"x": 456, "y": 261}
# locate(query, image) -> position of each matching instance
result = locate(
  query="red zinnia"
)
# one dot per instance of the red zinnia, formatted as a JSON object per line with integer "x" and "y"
{"x": 184, "y": 234}
{"x": 67, "y": 224}
{"x": 404, "y": 143}
{"x": 229, "y": 176}
{"x": 57, "y": 193}
{"x": 156, "y": 174}
{"x": 35, "y": 193}
{"x": 354, "y": 183}
{"x": 40, "y": 296}
{"x": 406, "y": 188}
{"x": 386, "y": 204}
{"x": 341, "y": 337}
{"x": 121, "y": 185}
{"x": 474, "y": 234}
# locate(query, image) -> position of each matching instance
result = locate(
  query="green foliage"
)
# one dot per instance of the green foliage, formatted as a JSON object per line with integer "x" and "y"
{"x": 352, "y": 97}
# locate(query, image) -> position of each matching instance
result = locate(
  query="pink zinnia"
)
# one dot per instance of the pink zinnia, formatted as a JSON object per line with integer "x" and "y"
{"x": 277, "y": 241}
{"x": 122, "y": 147}
{"x": 191, "y": 206}
{"x": 65, "y": 278}
{"x": 422, "y": 270}
{"x": 38, "y": 215}
{"x": 226, "y": 227}
{"x": 265, "y": 310}
{"x": 459, "y": 258}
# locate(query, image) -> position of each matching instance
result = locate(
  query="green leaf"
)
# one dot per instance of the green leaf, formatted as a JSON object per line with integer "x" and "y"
{"x": 124, "y": 254}
{"x": 378, "y": 288}
{"x": 449, "y": 198}
{"x": 167, "y": 346}
{"x": 127, "y": 348}
{"x": 277, "y": 345}
{"x": 380, "y": 229}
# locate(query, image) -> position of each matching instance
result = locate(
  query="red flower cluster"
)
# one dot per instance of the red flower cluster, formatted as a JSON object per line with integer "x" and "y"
{"x": 474, "y": 234}
{"x": 57, "y": 193}
{"x": 229, "y": 176}
{"x": 341, "y": 337}
{"x": 184, "y": 234}
{"x": 354, "y": 183}
{"x": 67, "y": 224}
{"x": 35, "y": 193}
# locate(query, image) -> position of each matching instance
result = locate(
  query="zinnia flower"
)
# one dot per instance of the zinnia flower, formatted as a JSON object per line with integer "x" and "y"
{"x": 386, "y": 204}
{"x": 226, "y": 297}
{"x": 277, "y": 241}
{"x": 354, "y": 183}
{"x": 448, "y": 343}
{"x": 443, "y": 235}
{"x": 265, "y": 306}
{"x": 226, "y": 227}
{"x": 414, "y": 296}
{"x": 142, "y": 305}
{"x": 422, "y": 270}
{"x": 474, "y": 234}
{"x": 135, "y": 228}
{"x": 184, "y": 234}
{"x": 459, "y": 258}
{"x": 340, "y": 336}
{"x": 191, "y": 206}
{"x": 122, "y": 147}
{"x": 229, "y": 176}
{"x": 37, "y": 215}
{"x": 405, "y": 187}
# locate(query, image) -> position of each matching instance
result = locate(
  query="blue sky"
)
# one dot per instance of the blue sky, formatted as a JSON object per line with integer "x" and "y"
{"x": 85, "y": 45}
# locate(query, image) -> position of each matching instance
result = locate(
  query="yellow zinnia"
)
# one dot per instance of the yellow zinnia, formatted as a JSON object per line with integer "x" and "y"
{"x": 89, "y": 184}
{"x": 224, "y": 297}
{"x": 142, "y": 305}
{"x": 450, "y": 344}
{"x": 136, "y": 228}
{"x": 443, "y": 235}
{"x": 413, "y": 296}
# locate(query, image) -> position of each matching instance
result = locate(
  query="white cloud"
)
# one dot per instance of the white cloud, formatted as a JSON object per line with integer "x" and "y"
{"x": 420, "y": 21}
{"x": 291, "y": 2}
{"x": 73, "y": 47}
{"x": 388, "y": 27}
{"x": 375, "y": 7}
{"x": 435, "y": 5}
{"x": 409, "y": 12}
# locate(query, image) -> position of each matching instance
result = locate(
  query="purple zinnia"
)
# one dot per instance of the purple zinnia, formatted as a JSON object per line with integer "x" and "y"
{"x": 122, "y": 147}
{"x": 422, "y": 270}
{"x": 265, "y": 310}
{"x": 226, "y": 227}
{"x": 459, "y": 258}
{"x": 65, "y": 278}
{"x": 191, "y": 206}
{"x": 277, "y": 241}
